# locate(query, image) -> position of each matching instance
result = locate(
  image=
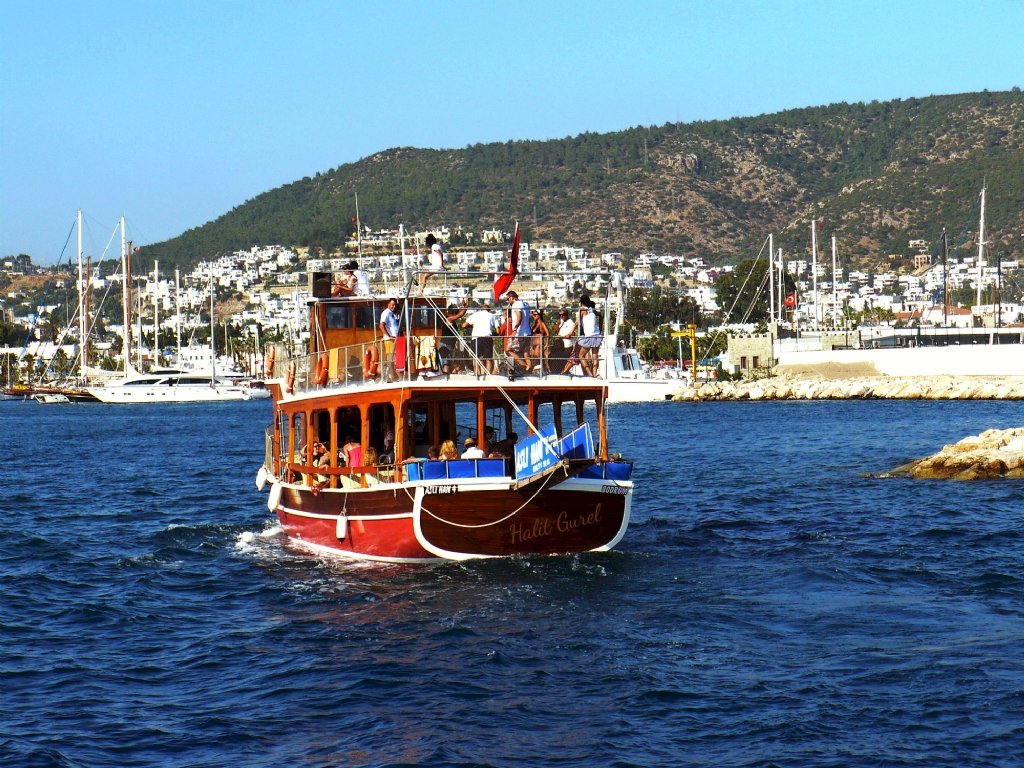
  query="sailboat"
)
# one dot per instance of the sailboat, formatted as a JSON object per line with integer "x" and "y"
{"x": 171, "y": 386}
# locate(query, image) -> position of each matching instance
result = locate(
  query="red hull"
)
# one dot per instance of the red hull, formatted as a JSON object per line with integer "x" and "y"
{"x": 457, "y": 521}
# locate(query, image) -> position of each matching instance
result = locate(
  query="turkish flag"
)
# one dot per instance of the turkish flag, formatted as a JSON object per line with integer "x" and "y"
{"x": 790, "y": 301}
{"x": 504, "y": 281}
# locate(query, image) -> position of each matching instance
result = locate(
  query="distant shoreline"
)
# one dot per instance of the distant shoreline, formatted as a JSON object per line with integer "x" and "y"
{"x": 824, "y": 387}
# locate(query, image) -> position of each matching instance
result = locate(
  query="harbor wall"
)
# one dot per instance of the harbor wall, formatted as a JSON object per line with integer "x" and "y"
{"x": 955, "y": 360}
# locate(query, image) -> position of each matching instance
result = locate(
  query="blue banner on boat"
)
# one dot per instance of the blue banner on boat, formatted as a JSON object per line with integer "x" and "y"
{"x": 578, "y": 444}
{"x": 541, "y": 451}
{"x": 536, "y": 453}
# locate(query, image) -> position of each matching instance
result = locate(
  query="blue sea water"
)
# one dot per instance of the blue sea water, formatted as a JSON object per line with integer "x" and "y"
{"x": 769, "y": 606}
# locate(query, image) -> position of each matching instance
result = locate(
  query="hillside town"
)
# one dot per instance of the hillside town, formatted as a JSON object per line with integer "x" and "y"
{"x": 263, "y": 290}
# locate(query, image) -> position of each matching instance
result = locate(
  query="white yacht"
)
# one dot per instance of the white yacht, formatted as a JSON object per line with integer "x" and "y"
{"x": 178, "y": 387}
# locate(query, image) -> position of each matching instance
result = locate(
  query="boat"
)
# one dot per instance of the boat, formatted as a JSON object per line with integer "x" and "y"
{"x": 48, "y": 398}
{"x": 631, "y": 380}
{"x": 172, "y": 385}
{"x": 543, "y": 480}
{"x": 178, "y": 387}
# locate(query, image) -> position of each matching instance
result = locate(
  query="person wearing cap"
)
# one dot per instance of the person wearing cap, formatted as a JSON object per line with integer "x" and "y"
{"x": 472, "y": 450}
{"x": 436, "y": 261}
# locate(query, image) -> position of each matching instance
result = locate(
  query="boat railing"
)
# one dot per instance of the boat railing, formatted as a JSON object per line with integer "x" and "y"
{"x": 426, "y": 357}
{"x": 322, "y": 477}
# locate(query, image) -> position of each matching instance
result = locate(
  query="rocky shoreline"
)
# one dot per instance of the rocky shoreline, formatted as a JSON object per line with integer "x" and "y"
{"x": 995, "y": 453}
{"x": 788, "y": 387}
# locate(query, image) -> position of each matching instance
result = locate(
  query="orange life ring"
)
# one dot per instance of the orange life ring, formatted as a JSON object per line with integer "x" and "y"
{"x": 371, "y": 363}
{"x": 289, "y": 379}
{"x": 268, "y": 362}
{"x": 322, "y": 369}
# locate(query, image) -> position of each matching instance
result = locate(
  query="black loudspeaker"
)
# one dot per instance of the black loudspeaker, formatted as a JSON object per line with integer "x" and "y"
{"x": 320, "y": 285}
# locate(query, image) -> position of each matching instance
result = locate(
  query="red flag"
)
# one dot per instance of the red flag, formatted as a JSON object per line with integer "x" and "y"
{"x": 504, "y": 281}
{"x": 790, "y": 300}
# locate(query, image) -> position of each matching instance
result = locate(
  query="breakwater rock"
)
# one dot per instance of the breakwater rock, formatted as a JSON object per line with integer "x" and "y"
{"x": 861, "y": 388}
{"x": 993, "y": 453}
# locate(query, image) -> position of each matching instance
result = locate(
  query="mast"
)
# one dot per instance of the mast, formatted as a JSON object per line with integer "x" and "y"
{"x": 126, "y": 300}
{"x": 156, "y": 310}
{"x": 82, "y": 327}
{"x": 213, "y": 345}
{"x": 177, "y": 311}
{"x": 359, "y": 233}
{"x": 814, "y": 268}
{"x": 981, "y": 243}
{"x": 401, "y": 245}
{"x": 771, "y": 277}
{"x": 945, "y": 280}
{"x": 835, "y": 285}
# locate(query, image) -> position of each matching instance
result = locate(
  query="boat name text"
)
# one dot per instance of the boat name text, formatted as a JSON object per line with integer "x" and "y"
{"x": 438, "y": 489}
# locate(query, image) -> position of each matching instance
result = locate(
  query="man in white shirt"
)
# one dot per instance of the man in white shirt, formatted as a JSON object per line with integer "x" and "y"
{"x": 481, "y": 324}
{"x": 389, "y": 332}
{"x": 472, "y": 450}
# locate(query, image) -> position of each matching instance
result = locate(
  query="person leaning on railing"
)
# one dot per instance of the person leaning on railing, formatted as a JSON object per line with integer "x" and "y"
{"x": 590, "y": 336}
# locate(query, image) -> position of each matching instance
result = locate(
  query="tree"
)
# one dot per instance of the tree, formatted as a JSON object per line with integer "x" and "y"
{"x": 743, "y": 293}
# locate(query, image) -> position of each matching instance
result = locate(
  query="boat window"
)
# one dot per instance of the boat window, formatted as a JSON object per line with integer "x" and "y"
{"x": 320, "y": 421}
{"x": 368, "y": 316}
{"x": 338, "y": 316}
{"x": 424, "y": 318}
{"x": 283, "y": 437}
{"x": 349, "y": 425}
{"x": 298, "y": 436}
{"x": 382, "y": 421}
{"x": 418, "y": 433}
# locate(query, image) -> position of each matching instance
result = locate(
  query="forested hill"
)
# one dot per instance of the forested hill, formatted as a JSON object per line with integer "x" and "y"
{"x": 877, "y": 174}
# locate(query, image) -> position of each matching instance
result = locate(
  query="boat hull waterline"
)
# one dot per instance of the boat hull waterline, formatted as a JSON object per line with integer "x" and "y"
{"x": 455, "y": 521}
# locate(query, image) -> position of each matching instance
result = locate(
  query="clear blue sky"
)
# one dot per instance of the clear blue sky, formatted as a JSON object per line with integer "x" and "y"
{"x": 172, "y": 113}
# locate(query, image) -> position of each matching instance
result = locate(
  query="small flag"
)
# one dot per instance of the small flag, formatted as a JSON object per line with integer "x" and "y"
{"x": 790, "y": 300}
{"x": 504, "y": 281}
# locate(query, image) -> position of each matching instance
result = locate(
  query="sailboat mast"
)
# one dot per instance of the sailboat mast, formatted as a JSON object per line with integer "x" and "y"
{"x": 835, "y": 285}
{"x": 771, "y": 277}
{"x": 981, "y": 244}
{"x": 126, "y": 299}
{"x": 213, "y": 345}
{"x": 82, "y": 328}
{"x": 156, "y": 310}
{"x": 177, "y": 311}
{"x": 814, "y": 269}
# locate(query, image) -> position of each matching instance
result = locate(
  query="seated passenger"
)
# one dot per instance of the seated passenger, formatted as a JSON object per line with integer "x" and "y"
{"x": 472, "y": 451}
{"x": 448, "y": 451}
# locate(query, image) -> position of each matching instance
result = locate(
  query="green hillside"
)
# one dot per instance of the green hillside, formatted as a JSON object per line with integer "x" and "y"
{"x": 878, "y": 174}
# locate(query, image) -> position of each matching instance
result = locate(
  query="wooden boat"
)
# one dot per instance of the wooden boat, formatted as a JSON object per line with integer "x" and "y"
{"x": 546, "y": 484}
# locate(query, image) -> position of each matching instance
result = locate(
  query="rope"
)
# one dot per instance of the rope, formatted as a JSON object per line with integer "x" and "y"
{"x": 509, "y": 516}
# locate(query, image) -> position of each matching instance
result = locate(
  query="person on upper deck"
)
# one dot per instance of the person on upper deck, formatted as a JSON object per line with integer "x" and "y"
{"x": 562, "y": 341}
{"x": 448, "y": 451}
{"x": 436, "y": 261}
{"x": 359, "y": 281}
{"x": 389, "y": 327}
{"x": 518, "y": 332}
{"x": 590, "y": 336}
{"x": 481, "y": 324}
